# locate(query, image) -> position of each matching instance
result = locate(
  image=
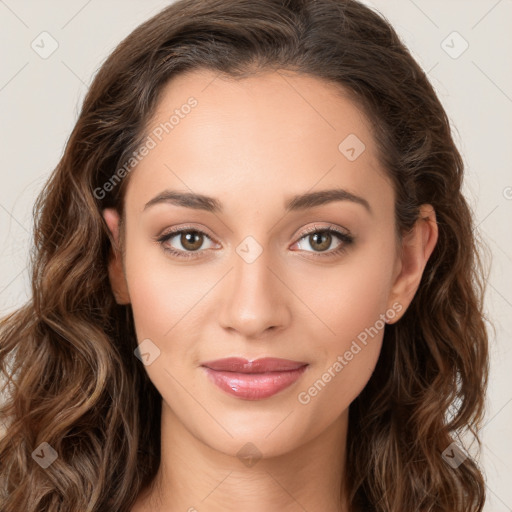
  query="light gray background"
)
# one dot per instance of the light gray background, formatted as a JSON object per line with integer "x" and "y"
{"x": 40, "y": 98}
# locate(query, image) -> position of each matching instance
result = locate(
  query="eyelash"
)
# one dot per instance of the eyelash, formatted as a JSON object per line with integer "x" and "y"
{"x": 345, "y": 238}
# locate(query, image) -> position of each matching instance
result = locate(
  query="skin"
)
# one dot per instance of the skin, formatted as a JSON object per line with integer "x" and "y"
{"x": 252, "y": 144}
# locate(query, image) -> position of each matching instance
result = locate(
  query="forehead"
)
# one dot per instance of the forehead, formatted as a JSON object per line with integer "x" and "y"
{"x": 255, "y": 138}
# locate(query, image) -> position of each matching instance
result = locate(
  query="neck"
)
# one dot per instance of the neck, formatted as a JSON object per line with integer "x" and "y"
{"x": 194, "y": 477}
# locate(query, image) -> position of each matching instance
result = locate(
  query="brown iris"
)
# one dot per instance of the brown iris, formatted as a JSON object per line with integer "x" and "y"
{"x": 191, "y": 240}
{"x": 323, "y": 245}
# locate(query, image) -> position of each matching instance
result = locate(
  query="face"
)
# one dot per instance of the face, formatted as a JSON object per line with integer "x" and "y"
{"x": 294, "y": 256}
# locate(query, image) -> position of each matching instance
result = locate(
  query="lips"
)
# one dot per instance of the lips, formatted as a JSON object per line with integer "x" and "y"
{"x": 253, "y": 380}
{"x": 267, "y": 364}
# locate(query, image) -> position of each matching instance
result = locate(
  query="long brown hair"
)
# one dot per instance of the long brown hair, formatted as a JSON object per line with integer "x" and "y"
{"x": 71, "y": 378}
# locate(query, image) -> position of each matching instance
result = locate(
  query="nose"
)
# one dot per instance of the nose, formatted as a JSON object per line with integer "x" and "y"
{"x": 253, "y": 298}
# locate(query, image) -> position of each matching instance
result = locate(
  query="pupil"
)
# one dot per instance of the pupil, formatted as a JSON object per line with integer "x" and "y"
{"x": 187, "y": 240}
{"x": 326, "y": 243}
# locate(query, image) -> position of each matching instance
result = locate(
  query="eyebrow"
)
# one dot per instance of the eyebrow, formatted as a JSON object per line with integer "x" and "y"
{"x": 296, "y": 203}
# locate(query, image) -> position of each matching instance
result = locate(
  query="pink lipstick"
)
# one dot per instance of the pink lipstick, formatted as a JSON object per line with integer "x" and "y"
{"x": 253, "y": 380}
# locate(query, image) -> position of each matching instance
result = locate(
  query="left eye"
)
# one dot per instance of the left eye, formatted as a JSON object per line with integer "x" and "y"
{"x": 320, "y": 240}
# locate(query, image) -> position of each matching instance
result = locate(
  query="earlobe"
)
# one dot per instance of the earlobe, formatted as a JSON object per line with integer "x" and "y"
{"x": 115, "y": 263}
{"x": 417, "y": 246}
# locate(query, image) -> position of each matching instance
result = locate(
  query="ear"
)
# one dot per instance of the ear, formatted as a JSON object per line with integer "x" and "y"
{"x": 115, "y": 265}
{"x": 417, "y": 246}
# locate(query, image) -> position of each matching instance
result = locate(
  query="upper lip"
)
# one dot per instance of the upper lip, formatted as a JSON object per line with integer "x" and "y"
{"x": 241, "y": 365}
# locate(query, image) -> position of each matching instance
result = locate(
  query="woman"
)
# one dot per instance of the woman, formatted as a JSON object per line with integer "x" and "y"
{"x": 256, "y": 284}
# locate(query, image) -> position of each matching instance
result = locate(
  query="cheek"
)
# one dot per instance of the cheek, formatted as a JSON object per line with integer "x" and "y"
{"x": 345, "y": 361}
{"x": 331, "y": 389}
{"x": 351, "y": 305}
{"x": 350, "y": 297}
{"x": 161, "y": 294}
{"x": 167, "y": 309}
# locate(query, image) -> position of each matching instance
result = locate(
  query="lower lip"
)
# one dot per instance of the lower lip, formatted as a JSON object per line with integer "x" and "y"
{"x": 254, "y": 386}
